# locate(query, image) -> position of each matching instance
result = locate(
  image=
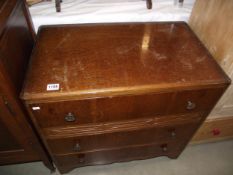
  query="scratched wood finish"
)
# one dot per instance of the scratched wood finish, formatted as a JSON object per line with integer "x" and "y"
{"x": 212, "y": 21}
{"x": 127, "y": 85}
{"x": 99, "y": 61}
{"x": 19, "y": 142}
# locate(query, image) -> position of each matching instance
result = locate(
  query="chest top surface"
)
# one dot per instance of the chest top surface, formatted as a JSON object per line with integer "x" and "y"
{"x": 89, "y": 60}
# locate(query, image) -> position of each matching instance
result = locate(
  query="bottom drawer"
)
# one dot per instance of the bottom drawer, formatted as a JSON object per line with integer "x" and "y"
{"x": 134, "y": 133}
{"x": 121, "y": 139}
{"x": 68, "y": 162}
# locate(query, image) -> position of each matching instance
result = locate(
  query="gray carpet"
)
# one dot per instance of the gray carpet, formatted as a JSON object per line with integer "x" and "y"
{"x": 204, "y": 159}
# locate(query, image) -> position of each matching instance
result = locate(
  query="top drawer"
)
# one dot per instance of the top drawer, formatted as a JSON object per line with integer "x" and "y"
{"x": 74, "y": 112}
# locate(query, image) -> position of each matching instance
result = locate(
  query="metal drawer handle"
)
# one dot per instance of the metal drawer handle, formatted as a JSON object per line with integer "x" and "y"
{"x": 173, "y": 134}
{"x": 81, "y": 158}
{"x": 190, "y": 105}
{"x": 70, "y": 117}
{"x": 77, "y": 147}
{"x": 164, "y": 147}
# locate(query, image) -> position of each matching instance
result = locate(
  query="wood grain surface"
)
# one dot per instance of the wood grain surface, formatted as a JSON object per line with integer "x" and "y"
{"x": 124, "y": 91}
{"x": 214, "y": 129}
{"x": 212, "y": 21}
{"x": 93, "y": 60}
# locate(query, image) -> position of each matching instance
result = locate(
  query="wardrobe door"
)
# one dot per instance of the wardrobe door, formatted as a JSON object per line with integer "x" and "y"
{"x": 15, "y": 143}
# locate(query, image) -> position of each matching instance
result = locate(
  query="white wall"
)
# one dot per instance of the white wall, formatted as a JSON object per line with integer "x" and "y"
{"x": 99, "y": 11}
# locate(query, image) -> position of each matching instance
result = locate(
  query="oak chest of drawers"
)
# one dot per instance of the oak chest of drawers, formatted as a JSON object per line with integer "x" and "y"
{"x": 107, "y": 93}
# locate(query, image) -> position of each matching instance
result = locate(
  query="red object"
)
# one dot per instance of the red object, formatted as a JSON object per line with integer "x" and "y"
{"x": 216, "y": 131}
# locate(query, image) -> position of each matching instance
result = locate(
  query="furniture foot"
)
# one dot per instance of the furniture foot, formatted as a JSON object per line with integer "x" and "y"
{"x": 149, "y": 4}
{"x": 58, "y": 5}
{"x": 173, "y": 156}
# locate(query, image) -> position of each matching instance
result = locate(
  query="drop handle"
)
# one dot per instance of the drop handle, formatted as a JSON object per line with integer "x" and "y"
{"x": 70, "y": 117}
{"x": 190, "y": 105}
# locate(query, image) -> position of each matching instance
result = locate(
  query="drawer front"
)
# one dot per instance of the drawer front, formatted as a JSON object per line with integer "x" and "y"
{"x": 67, "y": 162}
{"x": 100, "y": 110}
{"x": 123, "y": 108}
{"x": 194, "y": 101}
{"x": 180, "y": 132}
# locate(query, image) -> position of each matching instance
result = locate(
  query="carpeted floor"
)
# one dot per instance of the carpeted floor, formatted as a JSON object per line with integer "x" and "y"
{"x": 203, "y": 159}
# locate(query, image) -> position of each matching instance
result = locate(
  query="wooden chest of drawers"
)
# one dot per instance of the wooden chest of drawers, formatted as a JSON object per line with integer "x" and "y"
{"x": 107, "y": 93}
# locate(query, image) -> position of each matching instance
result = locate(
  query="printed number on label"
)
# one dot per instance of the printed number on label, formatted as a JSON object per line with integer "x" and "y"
{"x": 52, "y": 87}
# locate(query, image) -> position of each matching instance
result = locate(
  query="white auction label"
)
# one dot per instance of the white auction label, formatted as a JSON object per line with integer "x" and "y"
{"x": 35, "y": 108}
{"x": 53, "y": 87}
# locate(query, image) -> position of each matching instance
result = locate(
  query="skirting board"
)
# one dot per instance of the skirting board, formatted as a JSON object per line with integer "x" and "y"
{"x": 215, "y": 129}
